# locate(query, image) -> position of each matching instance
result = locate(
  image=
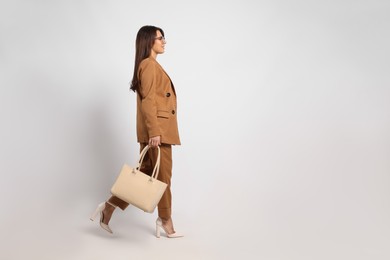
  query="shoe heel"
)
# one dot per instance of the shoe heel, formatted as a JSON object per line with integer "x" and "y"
{"x": 99, "y": 209}
{"x": 160, "y": 225}
{"x": 157, "y": 231}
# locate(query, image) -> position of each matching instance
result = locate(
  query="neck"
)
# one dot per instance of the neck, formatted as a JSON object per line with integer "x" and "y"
{"x": 153, "y": 55}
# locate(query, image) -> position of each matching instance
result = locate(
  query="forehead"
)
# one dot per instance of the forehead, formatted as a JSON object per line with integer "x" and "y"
{"x": 158, "y": 33}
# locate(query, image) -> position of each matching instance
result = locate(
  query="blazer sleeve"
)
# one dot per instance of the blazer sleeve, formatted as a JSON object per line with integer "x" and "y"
{"x": 148, "y": 89}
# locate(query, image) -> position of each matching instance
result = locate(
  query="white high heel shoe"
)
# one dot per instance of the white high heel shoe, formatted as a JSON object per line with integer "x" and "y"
{"x": 98, "y": 210}
{"x": 160, "y": 225}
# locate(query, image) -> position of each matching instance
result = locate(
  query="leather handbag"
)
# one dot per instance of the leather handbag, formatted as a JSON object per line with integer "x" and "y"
{"x": 137, "y": 188}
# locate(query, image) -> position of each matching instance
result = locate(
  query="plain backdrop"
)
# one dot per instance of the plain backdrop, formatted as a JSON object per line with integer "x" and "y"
{"x": 284, "y": 116}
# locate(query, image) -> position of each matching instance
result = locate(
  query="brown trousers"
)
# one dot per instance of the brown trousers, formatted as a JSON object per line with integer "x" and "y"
{"x": 165, "y": 174}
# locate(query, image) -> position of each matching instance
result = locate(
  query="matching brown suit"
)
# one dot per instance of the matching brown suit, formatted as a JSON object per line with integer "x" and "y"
{"x": 156, "y": 116}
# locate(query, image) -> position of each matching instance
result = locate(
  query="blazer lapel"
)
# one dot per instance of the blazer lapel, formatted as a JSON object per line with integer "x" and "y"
{"x": 173, "y": 87}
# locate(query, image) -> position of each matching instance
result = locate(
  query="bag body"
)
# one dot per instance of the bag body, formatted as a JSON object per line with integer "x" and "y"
{"x": 137, "y": 188}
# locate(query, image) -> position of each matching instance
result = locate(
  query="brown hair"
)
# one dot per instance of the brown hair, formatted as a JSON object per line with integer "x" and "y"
{"x": 143, "y": 45}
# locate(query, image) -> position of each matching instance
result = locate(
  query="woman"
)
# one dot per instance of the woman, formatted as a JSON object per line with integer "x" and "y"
{"x": 156, "y": 124}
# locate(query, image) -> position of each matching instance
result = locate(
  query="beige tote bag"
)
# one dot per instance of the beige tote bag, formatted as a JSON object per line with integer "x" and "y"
{"x": 138, "y": 188}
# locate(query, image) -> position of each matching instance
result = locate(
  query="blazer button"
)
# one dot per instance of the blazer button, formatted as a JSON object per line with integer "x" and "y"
{"x": 173, "y": 112}
{"x": 168, "y": 94}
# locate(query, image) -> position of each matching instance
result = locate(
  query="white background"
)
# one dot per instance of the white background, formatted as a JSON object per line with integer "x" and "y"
{"x": 284, "y": 117}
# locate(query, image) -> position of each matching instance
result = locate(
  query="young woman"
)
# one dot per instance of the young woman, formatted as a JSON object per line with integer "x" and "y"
{"x": 156, "y": 123}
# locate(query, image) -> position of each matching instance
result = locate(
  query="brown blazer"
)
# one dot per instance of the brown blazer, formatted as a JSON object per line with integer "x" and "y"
{"x": 156, "y": 104}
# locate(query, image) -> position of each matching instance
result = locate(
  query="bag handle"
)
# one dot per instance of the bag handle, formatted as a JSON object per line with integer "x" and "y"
{"x": 156, "y": 167}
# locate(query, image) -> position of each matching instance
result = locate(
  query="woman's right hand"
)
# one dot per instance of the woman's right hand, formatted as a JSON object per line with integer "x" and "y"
{"x": 155, "y": 141}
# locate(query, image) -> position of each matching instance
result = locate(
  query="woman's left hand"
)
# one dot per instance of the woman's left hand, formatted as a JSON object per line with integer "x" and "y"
{"x": 155, "y": 141}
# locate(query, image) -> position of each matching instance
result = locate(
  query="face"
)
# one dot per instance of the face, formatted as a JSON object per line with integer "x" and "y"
{"x": 159, "y": 44}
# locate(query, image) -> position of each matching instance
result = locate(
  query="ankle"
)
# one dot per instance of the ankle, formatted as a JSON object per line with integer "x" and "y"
{"x": 165, "y": 219}
{"x": 107, "y": 212}
{"x": 106, "y": 216}
{"x": 110, "y": 206}
{"x": 168, "y": 225}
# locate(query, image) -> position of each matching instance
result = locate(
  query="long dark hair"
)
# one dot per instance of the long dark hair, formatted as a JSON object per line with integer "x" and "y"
{"x": 143, "y": 45}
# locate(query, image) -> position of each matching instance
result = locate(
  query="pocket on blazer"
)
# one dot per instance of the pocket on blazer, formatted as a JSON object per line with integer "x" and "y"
{"x": 162, "y": 114}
